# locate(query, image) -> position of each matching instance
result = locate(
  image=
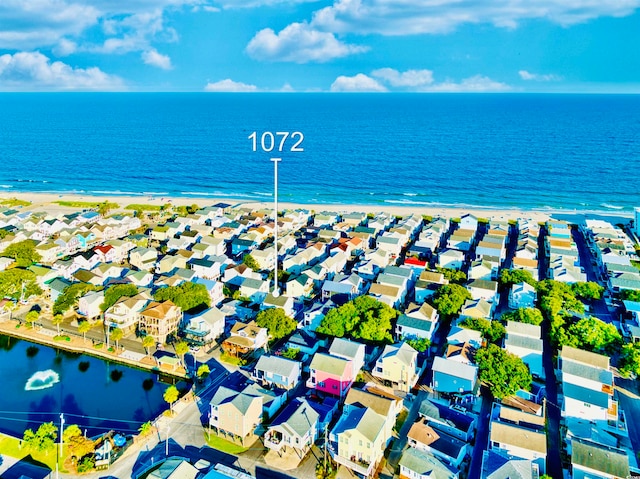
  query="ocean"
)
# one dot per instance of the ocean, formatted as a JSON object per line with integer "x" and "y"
{"x": 534, "y": 151}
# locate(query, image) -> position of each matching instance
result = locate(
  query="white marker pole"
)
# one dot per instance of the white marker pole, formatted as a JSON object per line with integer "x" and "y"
{"x": 276, "y": 292}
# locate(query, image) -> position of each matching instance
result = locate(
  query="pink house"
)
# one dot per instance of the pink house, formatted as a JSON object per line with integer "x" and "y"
{"x": 331, "y": 375}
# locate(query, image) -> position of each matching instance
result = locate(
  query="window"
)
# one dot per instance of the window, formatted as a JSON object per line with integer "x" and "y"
{"x": 334, "y": 386}
{"x": 360, "y": 442}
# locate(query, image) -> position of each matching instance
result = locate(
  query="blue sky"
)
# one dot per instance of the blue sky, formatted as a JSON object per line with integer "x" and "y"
{"x": 320, "y": 45}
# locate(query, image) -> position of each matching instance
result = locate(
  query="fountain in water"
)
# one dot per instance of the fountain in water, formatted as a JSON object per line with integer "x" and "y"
{"x": 42, "y": 380}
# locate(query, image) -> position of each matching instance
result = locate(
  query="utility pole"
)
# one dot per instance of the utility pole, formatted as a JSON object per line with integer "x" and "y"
{"x": 324, "y": 465}
{"x": 276, "y": 291}
{"x": 60, "y": 456}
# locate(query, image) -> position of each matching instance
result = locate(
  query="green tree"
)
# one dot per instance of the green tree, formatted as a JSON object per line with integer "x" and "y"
{"x": 77, "y": 445}
{"x": 188, "y": 296}
{"x": 171, "y": 395}
{"x": 12, "y": 281}
{"x": 504, "y": 373}
{"x": 587, "y": 290}
{"x": 453, "y": 275}
{"x": 595, "y": 335}
{"x": 515, "y": 276}
{"x": 117, "y": 334}
{"x": 278, "y": 324}
{"x": 291, "y": 353}
{"x": 203, "y": 371}
{"x": 145, "y": 428}
{"x": 250, "y": 262}
{"x": 182, "y": 348}
{"x": 57, "y": 320}
{"x": 31, "y": 317}
{"x": 629, "y": 362}
{"x": 630, "y": 295}
{"x": 449, "y": 298}
{"x": 86, "y": 464}
{"x": 492, "y": 330}
{"x": 419, "y": 344}
{"x": 43, "y": 440}
{"x": 147, "y": 343}
{"x": 70, "y": 296}
{"x": 362, "y": 318}
{"x": 524, "y": 315}
{"x": 117, "y": 291}
{"x": 23, "y": 252}
{"x": 83, "y": 328}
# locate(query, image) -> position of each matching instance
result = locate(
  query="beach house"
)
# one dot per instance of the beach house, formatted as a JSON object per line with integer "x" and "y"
{"x": 160, "y": 319}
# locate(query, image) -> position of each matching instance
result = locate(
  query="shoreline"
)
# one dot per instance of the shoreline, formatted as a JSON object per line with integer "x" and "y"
{"x": 48, "y": 200}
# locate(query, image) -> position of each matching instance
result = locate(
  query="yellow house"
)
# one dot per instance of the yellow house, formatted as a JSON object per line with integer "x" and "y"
{"x": 160, "y": 319}
{"x": 235, "y": 415}
{"x": 358, "y": 440}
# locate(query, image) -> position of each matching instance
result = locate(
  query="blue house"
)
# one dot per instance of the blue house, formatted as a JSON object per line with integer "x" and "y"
{"x": 240, "y": 245}
{"x": 450, "y": 376}
{"x": 57, "y": 286}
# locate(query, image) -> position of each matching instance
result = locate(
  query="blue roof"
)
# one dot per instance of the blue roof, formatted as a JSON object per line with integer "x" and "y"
{"x": 585, "y": 395}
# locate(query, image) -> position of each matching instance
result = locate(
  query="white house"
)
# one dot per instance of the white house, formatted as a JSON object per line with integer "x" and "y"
{"x": 89, "y": 304}
{"x": 522, "y": 295}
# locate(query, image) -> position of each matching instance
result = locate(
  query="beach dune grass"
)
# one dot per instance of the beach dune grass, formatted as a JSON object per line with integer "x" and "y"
{"x": 10, "y": 446}
{"x": 87, "y": 204}
{"x": 13, "y": 202}
{"x": 143, "y": 207}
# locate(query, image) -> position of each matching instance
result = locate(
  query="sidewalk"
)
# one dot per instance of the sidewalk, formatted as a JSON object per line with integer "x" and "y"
{"x": 46, "y": 336}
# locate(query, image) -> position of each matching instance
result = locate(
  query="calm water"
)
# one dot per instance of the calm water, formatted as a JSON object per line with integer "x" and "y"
{"x": 510, "y": 150}
{"x": 94, "y": 394}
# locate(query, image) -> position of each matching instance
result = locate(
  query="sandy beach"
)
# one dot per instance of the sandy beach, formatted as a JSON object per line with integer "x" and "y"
{"x": 47, "y": 201}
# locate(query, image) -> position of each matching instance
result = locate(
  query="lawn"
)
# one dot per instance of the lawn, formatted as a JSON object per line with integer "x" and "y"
{"x": 223, "y": 445}
{"x": 86, "y": 204}
{"x": 11, "y": 447}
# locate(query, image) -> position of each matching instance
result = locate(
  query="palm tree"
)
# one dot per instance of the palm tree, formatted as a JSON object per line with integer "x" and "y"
{"x": 117, "y": 334}
{"x": 182, "y": 348}
{"x": 171, "y": 395}
{"x": 148, "y": 342}
{"x": 57, "y": 320}
{"x": 83, "y": 328}
{"x": 145, "y": 428}
{"x": 32, "y": 317}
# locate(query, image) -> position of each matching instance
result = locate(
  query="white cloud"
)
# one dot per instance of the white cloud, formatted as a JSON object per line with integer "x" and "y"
{"x": 298, "y": 43}
{"x": 154, "y": 58}
{"x": 393, "y": 17}
{"x": 32, "y": 71}
{"x": 357, "y": 83}
{"x": 525, "y": 75}
{"x": 229, "y": 85}
{"x": 474, "y": 84}
{"x": 229, "y": 4}
{"x": 409, "y": 78}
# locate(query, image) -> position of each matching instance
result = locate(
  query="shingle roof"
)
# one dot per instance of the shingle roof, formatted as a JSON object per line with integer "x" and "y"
{"x": 426, "y": 464}
{"x": 329, "y": 364}
{"x": 518, "y": 436}
{"x": 608, "y": 460}
{"x": 275, "y": 364}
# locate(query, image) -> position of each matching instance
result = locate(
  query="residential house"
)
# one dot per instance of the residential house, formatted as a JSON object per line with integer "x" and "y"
{"x": 590, "y": 460}
{"x": 417, "y": 464}
{"x": 170, "y": 263}
{"x": 418, "y": 321}
{"x": 427, "y": 284}
{"x": 462, "y": 353}
{"x": 451, "y": 258}
{"x": 298, "y": 426}
{"x": 245, "y": 338}
{"x": 587, "y": 386}
{"x": 235, "y": 415}
{"x": 458, "y": 335}
{"x": 398, "y": 365}
{"x": 349, "y": 350}
{"x": 89, "y": 304}
{"x": 469, "y": 222}
{"x": 480, "y": 269}
{"x": 205, "y": 268}
{"x": 160, "y": 319}
{"x": 49, "y": 252}
{"x": 205, "y": 327}
{"x": 525, "y": 341}
{"x": 389, "y": 295}
{"x": 285, "y": 303}
{"x": 272, "y": 399}
{"x": 254, "y": 289}
{"x": 300, "y": 286}
{"x": 519, "y": 441}
{"x": 141, "y": 278}
{"x": 331, "y": 374}
{"x": 498, "y": 465}
{"x": 453, "y": 377}
{"x": 358, "y": 440}
{"x": 477, "y": 308}
{"x": 143, "y": 258}
{"x": 483, "y": 289}
{"x": 275, "y": 371}
{"x": 305, "y": 341}
{"x": 125, "y": 313}
{"x": 522, "y": 295}
{"x": 451, "y": 420}
{"x": 56, "y": 287}
{"x": 449, "y": 449}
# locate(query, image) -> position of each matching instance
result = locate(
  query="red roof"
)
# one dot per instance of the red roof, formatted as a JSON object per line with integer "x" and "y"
{"x": 414, "y": 261}
{"x": 103, "y": 249}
